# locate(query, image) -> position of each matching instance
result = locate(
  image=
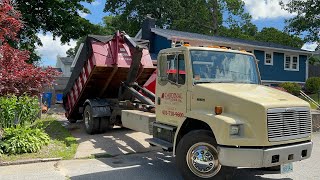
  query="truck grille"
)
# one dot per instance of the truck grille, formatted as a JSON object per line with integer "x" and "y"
{"x": 288, "y": 123}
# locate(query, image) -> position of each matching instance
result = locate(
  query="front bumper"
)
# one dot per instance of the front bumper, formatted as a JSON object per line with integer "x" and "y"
{"x": 266, "y": 157}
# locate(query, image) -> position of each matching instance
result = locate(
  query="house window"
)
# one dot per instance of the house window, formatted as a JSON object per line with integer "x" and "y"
{"x": 268, "y": 58}
{"x": 287, "y": 62}
{"x": 291, "y": 63}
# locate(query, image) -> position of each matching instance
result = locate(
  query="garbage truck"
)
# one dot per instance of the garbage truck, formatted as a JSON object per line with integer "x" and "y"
{"x": 206, "y": 105}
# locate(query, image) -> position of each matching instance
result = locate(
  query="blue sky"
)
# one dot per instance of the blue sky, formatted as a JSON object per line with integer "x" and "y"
{"x": 265, "y": 13}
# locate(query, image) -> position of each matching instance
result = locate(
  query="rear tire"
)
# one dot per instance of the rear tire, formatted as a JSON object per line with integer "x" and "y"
{"x": 104, "y": 125}
{"x": 72, "y": 121}
{"x": 91, "y": 123}
{"x": 197, "y": 157}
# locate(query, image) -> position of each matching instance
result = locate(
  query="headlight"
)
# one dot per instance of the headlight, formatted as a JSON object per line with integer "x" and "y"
{"x": 235, "y": 130}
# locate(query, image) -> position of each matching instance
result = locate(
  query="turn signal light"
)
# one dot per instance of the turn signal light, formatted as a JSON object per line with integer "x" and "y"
{"x": 218, "y": 110}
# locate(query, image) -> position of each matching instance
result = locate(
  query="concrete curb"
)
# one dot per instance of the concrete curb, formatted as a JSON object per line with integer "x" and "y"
{"x": 29, "y": 161}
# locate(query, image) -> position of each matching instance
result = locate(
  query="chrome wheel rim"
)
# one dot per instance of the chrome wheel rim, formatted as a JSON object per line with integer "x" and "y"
{"x": 202, "y": 160}
{"x": 87, "y": 119}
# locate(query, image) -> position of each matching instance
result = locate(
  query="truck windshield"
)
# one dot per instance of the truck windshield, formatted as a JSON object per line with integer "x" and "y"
{"x": 223, "y": 67}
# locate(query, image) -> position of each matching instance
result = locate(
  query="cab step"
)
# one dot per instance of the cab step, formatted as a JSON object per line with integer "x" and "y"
{"x": 165, "y": 145}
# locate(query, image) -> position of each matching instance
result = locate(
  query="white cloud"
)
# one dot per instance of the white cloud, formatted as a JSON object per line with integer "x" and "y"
{"x": 52, "y": 48}
{"x": 96, "y": 3}
{"x": 266, "y": 9}
{"x": 82, "y": 14}
{"x": 310, "y": 46}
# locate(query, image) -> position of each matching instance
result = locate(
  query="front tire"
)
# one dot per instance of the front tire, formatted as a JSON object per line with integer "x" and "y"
{"x": 197, "y": 157}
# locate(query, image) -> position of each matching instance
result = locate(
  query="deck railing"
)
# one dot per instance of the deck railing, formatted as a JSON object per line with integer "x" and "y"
{"x": 308, "y": 98}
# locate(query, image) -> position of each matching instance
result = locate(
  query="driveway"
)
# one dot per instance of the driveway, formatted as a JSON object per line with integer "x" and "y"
{"x": 116, "y": 141}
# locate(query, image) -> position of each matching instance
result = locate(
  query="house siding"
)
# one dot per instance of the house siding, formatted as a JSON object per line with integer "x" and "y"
{"x": 276, "y": 71}
{"x": 65, "y": 68}
{"x": 159, "y": 43}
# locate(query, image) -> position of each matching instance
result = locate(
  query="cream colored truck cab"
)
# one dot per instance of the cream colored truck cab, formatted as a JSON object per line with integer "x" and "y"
{"x": 213, "y": 111}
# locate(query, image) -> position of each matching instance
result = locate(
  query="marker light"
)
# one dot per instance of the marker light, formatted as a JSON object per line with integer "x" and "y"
{"x": 218, "y": 110}
{"x": 213, "y": 46}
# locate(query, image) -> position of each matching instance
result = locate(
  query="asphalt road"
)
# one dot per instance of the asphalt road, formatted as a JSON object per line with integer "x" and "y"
{"x": 144, "y": 166}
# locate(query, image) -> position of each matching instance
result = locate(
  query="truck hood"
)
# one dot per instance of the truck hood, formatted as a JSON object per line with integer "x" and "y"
{"x": 245, "y": 104}
{"x": 259, "y": 94}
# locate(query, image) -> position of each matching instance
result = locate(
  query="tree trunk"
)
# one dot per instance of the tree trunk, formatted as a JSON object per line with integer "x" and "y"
{"x": 1, "y": 133}
{"x": 214, "y": 11}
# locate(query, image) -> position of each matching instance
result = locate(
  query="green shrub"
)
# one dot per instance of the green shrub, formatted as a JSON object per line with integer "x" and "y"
{"x": 28, "y": 109}
{"x": 292, "y": 88}
{"x": 7, "y": 111}
{"x": 21, "y": 110}
{"x": 313, "y": 85}
{"x": 23, "y": 140}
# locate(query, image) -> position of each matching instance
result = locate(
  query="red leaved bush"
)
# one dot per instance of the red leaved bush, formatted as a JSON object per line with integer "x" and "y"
{"x": 16, "y": 76}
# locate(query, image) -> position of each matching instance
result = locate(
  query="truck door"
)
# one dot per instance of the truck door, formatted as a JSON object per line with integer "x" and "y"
{"x": 171, "y": 88}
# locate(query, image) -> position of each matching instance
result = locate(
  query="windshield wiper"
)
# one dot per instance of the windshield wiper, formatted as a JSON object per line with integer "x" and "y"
{"x": 226, "y": 81}
{"x": 203, "y": 82}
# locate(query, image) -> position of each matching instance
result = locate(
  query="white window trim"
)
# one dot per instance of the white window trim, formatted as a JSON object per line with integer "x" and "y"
{"x": 291, "y": 62}
{"x": 265, "y": 58}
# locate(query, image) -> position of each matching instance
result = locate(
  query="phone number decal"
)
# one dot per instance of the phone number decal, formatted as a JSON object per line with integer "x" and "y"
{"x": 172, "y": 113}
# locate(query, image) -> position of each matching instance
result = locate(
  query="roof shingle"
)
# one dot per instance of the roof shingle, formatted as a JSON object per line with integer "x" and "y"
{"x": 187, "y": 35}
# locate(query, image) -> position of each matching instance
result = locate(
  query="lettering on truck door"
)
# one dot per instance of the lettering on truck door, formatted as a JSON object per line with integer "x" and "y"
{"x": 171, "y": 91}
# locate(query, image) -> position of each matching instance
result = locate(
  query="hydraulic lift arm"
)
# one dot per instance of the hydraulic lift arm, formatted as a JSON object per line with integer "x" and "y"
{"x": 127, "y": 91}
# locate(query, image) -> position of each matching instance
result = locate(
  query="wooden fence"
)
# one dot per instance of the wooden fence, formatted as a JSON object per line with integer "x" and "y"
{"x": 314, "y": 70}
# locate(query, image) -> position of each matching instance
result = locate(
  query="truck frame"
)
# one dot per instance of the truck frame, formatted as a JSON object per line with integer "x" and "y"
{"x": 209, "y": 107}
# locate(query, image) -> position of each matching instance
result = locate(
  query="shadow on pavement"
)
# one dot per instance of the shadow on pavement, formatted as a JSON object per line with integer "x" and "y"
{"x": 144, "y": 166}
{"x": 116, "y": 141}
{"x": 155, "y": 165}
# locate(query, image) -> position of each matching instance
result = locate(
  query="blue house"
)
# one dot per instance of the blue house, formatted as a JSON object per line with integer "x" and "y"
{"x": 277, "y": 63}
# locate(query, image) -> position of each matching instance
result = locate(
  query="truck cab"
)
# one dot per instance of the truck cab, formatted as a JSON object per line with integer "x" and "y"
{"x": 214, "y": 114}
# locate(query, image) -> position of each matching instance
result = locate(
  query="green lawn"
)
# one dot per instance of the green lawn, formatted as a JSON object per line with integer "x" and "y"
{"x": 62, "y": 143}
{"x": 314, "y": 97}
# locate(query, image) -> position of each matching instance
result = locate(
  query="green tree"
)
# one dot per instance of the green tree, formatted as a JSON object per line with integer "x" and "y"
{"x": 307, "y": 19}
{"x": 202, "y": 16}
{"x": 73, "y": 51}
{"x": 314, "y": 60}
{"x": 247, "y": 32}
{"x": 110, "y": 25}
{"x": 276, "y": 36}
{"x": 131, "y": 13}
{"x": 196, "y": 12}
{"x": 61, "y": 18}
